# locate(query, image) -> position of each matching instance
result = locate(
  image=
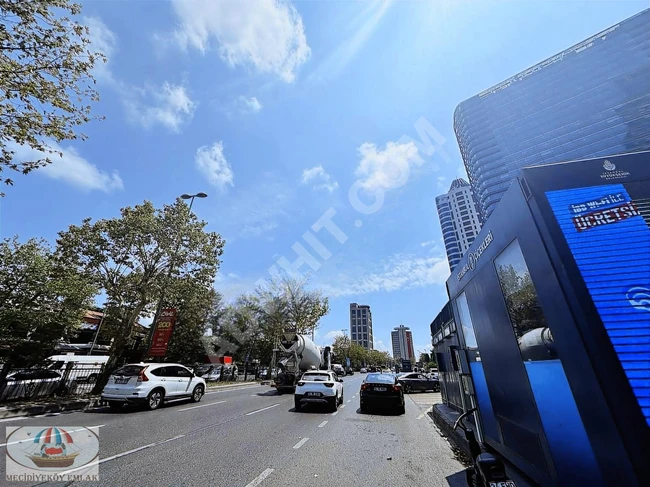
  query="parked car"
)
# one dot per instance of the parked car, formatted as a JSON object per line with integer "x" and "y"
{"x": 319, "y": 387}
{"x": 86, "y": 367}
{"x": 152, "y": 384}
{"x": 381, "y": 390}
{"x": 349, "y": 371}
{"x": 338, "y": 369}
{"x": 210, "y": 372}
{"x": 33, "y": 383}
{"x": 414, "y": 381}
{"x": 363, "y": 370}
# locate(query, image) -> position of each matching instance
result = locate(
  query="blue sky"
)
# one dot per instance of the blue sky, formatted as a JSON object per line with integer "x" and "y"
{"x": 277, "y": 110}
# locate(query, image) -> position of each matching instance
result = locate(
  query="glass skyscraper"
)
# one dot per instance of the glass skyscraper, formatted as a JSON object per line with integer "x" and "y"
{"x": 590, "y": 100}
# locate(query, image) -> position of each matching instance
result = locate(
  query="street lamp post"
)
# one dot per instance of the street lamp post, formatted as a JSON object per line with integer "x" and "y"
{"x": 161, "y": 302}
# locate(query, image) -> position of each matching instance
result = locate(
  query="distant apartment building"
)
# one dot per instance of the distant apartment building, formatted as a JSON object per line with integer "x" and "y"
{"x": 591, "y": 100}
{"x": 402, "y": 339}
{"x": 361, "y": 325}
{"x": 459, "y": 219}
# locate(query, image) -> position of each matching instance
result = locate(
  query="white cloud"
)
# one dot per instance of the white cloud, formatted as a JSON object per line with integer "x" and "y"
{"x": 102, "y": 40}
{"x": 268, "y": 36}
{"x": 317, "y": 173}
{"x": 71, "y": 168}
{"x": 248, "y": 105}
{"x": 401, "y": 271}
{"x": 379, "y": 345}
{"x": 214, "y": 166}
{"x": 441, "y": 182}
{"x": 388, "y": 168}
{"x": 169, "y": 106}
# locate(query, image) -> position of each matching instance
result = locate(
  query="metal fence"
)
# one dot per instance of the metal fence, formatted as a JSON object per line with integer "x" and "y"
{"x": 48, "y": 380}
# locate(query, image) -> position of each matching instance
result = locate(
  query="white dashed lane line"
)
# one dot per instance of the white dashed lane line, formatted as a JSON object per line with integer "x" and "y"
{"x": 420, "y": 416}
{"x": 260, "y": 410}
{"x": 349, "y": 400}
{"x": 258, "y": 480}
{"x": 342, "y": 406}
{"x": 300, "y": 443}
{"x": 201, "y": 406}
{"x": 335, "y": 413}
{"x": 323, "y": 424}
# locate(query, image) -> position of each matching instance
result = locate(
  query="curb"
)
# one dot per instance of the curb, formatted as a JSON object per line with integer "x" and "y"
{"x": 447, "y": 430}
{"x": 82, "y": 404}
{"x": 76, "y": 405}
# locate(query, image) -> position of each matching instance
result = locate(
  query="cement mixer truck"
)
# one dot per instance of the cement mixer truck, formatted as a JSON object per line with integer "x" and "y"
{"x": 294, "y": 355}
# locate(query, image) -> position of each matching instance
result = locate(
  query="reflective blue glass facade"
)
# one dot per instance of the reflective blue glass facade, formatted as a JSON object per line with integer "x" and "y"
{"x": 590, "y": 100}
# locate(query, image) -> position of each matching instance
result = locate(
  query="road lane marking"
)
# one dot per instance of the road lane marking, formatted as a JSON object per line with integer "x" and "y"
{"x": 323, "y": 424}
{"x": 17, "y": 418}
{"x": 123, "y": 454}
{"x": 420, "y": 416}
{"x": 334, "y": 414}
{"x": 300, "y": 443}
{"x": 258, "y": 480}
{"x": 349, "y": 400}
{"x": 260, "y": 410}
{"x": 234, "y": 389}
{"x": 202, "y": 406}
{"x": 69, "y": 431}
{"x": 342, "y": 406}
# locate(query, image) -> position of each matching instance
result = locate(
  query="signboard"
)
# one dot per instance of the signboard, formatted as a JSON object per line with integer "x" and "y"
{"x": 162, "y": 333}
{"x": 347, "y": 362}
{"x": 607, "y": 229}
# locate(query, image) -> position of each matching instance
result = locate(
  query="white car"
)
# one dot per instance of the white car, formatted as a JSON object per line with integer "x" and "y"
{"x": 363, "y": 370}
{"x": 319, "y": 387}
{"x": 151, "y": 384}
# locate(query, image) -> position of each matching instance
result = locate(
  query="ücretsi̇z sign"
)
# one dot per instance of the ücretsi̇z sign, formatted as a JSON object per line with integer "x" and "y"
{"x": 163, "y": 332}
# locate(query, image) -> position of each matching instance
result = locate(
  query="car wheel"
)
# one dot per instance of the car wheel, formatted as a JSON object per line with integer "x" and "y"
{"x": 296, "y": 404}
{"x": 155, "y": 399}
{"x": 407, "y": 389}
{"x": 401, "y": 409}
{"x": 114, "y": 405}
{"x": 334, "y": 404}
{"x": 198, "y": 393}
{"x": 92, "y": 378}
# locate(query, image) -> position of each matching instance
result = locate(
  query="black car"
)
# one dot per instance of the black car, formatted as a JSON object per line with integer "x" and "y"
{"x": 415, "y": 381}
{"x": 381, "y": 390}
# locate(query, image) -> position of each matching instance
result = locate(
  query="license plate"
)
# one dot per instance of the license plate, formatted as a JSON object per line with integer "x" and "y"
{"x": 124, "y": 380}
{"x": 505, "y": 483}
{"x": 313, "y": 393}
{"x": 380, "y": 389}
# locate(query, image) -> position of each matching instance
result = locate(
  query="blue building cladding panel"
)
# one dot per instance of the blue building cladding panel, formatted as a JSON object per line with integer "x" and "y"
{"x": 490, "y": 427}
{"x": 608, "y": 234}
{"x": 571, "y": 450}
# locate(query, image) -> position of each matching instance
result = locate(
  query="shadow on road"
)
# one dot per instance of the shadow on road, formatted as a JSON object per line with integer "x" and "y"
{"x": 312, "y": 409}
{"x": 380, "y": 412}
{"x": 269, "y": 393}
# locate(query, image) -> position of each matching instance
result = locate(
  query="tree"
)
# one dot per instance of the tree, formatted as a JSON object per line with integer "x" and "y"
{"x": 42, "y": 301}
{"x": 45, "y": 79}
{"x": 425, "y": 358}
{"x": 194, "y": 305}
{"x": 135, "y": 257}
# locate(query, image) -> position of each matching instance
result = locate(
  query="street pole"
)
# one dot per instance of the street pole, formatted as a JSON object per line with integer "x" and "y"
{"x": 170, "y": 271}
{"x": 99, "y": 327}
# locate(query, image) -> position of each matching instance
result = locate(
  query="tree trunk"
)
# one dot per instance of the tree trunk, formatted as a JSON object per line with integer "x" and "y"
{"x": 119, "y": 345}
{"x": 3, "y": 375}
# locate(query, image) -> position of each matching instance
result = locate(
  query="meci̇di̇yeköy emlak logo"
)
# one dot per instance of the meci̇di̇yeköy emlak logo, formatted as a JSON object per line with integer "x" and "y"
{"x": 52, "y": 449}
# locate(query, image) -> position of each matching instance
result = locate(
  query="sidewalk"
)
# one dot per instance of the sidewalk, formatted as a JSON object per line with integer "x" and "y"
{"x": 50, "y": 405}
{"x": 444, "y": 418}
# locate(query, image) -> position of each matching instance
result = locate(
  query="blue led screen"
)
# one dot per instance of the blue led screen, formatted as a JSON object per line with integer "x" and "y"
{"x": 607, "y": 229}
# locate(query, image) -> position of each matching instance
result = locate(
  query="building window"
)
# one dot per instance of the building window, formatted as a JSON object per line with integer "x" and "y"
{"x": 466, "y": 322}
{"x": 526, "y": 317}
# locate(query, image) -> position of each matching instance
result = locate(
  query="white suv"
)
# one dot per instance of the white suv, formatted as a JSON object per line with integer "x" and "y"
{"x": 319, "y": 386}
{"x": 152, "y": 384}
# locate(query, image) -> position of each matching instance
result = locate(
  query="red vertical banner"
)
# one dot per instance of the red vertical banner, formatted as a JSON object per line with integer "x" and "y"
{"x": 162, "y": 333}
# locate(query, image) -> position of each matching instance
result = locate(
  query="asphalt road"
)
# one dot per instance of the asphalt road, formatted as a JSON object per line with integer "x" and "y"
{"x": 251, "y": 436}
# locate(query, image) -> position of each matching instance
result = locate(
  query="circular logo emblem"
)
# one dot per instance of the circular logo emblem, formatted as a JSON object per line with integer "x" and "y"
{"x": 608, "y": 165}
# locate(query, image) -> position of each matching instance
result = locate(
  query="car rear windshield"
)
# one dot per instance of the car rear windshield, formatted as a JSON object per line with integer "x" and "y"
{"x": 381, "y": 378}
{"x": 316, "y": 377}
{"x": 129, "y": 370}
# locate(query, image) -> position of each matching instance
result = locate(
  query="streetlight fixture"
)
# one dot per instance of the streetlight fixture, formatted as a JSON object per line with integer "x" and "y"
{"x": 191, "y": 197}
{"x": 184, "y": 196}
